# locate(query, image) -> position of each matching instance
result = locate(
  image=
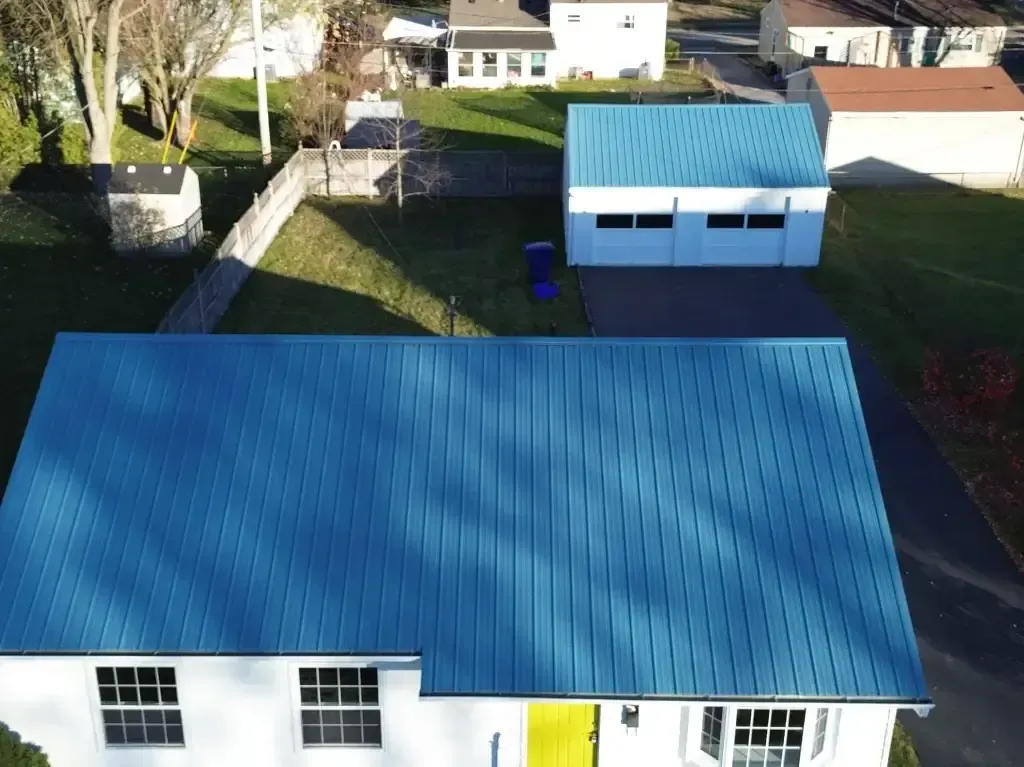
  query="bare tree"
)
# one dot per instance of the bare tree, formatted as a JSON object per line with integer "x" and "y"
{"x": 174, "y": 44}
{"x": 86, "y": 34}
{"x": 419, "y": 169}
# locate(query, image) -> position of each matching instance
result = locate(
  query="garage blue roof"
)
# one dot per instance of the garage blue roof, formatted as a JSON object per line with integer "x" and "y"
{"x": 744, "y": 146}
{"x": 563, "y": 517}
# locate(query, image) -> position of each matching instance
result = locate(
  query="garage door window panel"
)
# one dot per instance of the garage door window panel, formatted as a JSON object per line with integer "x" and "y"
{"x": 654, "y": 221}
{"x": 766, "y": 221}
{"x": 726, "y": 220}
{"x": 614, "y": 220}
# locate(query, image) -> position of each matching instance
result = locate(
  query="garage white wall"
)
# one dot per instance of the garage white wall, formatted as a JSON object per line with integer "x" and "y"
{"x": 802, "y": 88}
{"x": 690, "y": 242}
{"x": 243, "y": 711}
{"x": 963, "y": 148}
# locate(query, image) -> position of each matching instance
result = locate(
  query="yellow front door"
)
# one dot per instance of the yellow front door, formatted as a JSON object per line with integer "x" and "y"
{"x": 560, "y": 735}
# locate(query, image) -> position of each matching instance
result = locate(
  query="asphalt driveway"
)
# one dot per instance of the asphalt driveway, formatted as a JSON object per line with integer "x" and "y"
{"x": 966, "y": 599}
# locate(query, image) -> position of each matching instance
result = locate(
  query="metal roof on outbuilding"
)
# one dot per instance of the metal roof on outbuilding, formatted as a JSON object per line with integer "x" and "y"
{"x": 535, "y": 517}
{"x": 721, "y": 145}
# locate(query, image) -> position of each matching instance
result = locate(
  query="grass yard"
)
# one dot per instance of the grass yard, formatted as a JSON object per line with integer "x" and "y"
{"x": 227, "y": 130}
{"x": 934, "y": 269}
{"x": 530, "y": 118}
{"x": 55, "y": 277}
{"x": 351, "y": 268}
{"x": 715, "y": 10}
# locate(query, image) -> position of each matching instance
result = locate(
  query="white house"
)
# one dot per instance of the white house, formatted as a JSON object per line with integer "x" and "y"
{"x": 495, "y": 43}
{"x": 290, "y": 48}
{"x": 610, "y": 39}
{"x": 915, "y": 126}
{"x": 155, "y": 208}
{"x": 880, "y": 33}
{"x": 709, "y": 185}
{"x": 281, "y": 551}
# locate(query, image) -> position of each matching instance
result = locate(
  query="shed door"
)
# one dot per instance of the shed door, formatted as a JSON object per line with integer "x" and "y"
{"x": 559, "y": 735}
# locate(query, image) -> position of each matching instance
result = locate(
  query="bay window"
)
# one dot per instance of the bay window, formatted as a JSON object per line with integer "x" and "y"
{"x": 514, "y": 65}
{"x": 538, "y": 64}
{"x": 490, "y": 64}
{"x": 465, "y": 64}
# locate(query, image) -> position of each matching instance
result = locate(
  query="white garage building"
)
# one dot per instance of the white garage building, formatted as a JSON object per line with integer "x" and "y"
{"x": 962, "y": 126}
{"x": 709, "y": 185}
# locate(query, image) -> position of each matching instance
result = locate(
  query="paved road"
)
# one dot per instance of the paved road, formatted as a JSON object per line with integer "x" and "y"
{"x": 722, "y": 48}
{"x": 966, "y": 600}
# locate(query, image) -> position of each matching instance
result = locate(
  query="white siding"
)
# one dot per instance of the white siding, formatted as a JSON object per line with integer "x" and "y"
{"x": 597, "y": 43}
{"x": 501, "y": 78}
{"x": 963, "y": 148}
{"x": 879, "y": 46}
{"x": 802, "y": 88}
{"x": 242, "y": 711}
{"x": 291, "y": 47}
{"x": 692, "y": 243}
{"x": 772, "y": 35}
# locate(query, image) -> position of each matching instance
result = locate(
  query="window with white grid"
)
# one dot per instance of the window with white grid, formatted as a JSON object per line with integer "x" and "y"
{"x": 711, "y": 731}
{"x": 339, "y": 707}
{"x": 768, "y": 737}
{"x": 139, "y": 706}
{"x": 820, "y": 728}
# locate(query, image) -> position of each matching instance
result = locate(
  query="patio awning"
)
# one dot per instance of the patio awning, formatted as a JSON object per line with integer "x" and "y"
{"x": 527, "y": 40}
{"x": 414, "y": 31}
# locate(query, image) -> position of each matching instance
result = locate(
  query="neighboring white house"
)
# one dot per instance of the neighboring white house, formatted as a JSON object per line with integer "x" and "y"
{"x": 290, "y": 48}
{"x": 914, "y": 126}
{"x": 495, "y": 43}
{"x": 287, "y": 551}
{"x": 155, "y": 208}
{"x": 709, "y": 185}
{"x": 610, "y": 39}
{"x": 880, "y": 33}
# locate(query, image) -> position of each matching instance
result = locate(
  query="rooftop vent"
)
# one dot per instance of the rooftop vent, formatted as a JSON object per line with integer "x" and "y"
{"x": 131, "y": 168}
{"x": 167, "y": 170}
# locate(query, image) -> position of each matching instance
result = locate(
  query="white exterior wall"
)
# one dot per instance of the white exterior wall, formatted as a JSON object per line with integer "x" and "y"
{"x": 243, "y": 711}
{"x": 597, "y": 44}
{"x": 689, "y": 242}
{"x": 964, "y": 148}
{"x": 477, "y": 80}
{"x": 801, "y": 88}
{"x": 880, "y": 47}
{"x": 291, "y": 46}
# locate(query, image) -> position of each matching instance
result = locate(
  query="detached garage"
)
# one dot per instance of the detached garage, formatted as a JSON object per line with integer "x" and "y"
{"x": 715, "y": 185}
{"x": 887, "y": 127}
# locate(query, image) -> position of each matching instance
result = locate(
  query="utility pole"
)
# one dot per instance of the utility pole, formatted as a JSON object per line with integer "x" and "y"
{"x": 261, "y": 80}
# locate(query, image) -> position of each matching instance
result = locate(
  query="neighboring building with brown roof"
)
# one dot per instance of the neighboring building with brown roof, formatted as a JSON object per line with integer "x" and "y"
{"x": 881, "y": 33}
{"x": 883, "y": 127}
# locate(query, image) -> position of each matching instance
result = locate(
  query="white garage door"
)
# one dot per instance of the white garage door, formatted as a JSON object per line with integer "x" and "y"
{"x": 628, "y": 239}
{"x": 738, "y": 239}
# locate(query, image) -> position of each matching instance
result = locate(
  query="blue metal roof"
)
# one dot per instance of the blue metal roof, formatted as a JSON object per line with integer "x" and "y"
{"x": 743, "y": 146}
{"x": 534, "y": 516}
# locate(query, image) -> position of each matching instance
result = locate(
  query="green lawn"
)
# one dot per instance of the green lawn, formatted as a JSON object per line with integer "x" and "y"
{"x": 58, "y": 276}
{"x": 932, "y": 269}
{"x": 227, "y": 131}
{"x": 351, "y": 268}
{"x": 531, "y": 118}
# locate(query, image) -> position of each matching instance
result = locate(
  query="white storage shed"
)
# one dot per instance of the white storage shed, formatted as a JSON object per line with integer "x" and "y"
{"x": 962, "y": 126}
{"x": 709, "y": 185}
{"x": 154, "y": 209}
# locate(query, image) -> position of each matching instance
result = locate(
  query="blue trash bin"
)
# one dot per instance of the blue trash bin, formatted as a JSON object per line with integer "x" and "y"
{"x": 539, "y": 257}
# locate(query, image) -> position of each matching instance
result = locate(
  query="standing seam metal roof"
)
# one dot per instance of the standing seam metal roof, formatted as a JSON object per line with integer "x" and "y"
{"x": 722, "y": 145}
{"x": 535, "y": 517}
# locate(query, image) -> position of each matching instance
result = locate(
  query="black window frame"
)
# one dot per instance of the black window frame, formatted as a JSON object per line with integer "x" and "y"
{"x": 823, "y": 55}
{"x": 615, "y": 221}
{"x": 766, "y": 221}
{"x": 725, "y": 221}
{"x": 712, "y": 731}
{"x": 140, "y": 707}
{"x": 654, "y": 221}
{"x": 339, "y": 707}
{"x": 761, "y": 729}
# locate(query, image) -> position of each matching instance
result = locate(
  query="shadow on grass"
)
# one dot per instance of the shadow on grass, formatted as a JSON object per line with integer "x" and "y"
{"x": 134, "y": 118}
